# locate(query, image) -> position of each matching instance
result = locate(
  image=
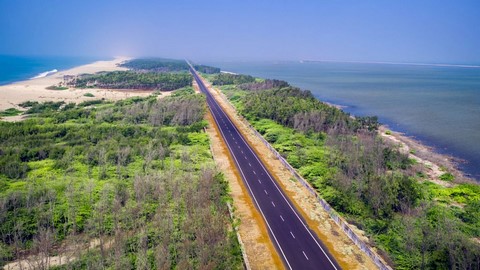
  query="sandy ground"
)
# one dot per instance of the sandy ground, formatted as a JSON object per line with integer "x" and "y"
{"x": 67, "y": 252}
{"x": 35, "y": 89}
{"x": 434, "y": 164}
{"x": 347, "y": 254}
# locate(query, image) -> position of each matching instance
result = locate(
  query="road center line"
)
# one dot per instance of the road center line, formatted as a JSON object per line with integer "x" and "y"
{"x": 274, "y": 206}
{"x": 305, "y": 255}
{"x": 282, "y": 218}
{"x": 265, "y": 191}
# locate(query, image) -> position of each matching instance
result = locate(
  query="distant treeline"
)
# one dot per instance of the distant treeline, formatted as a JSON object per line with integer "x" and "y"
{"x": 206, "y": 69}
{"x": 135, "y": 80}
{"x": 166, "y": 65}
{"x": 415, "y": 223}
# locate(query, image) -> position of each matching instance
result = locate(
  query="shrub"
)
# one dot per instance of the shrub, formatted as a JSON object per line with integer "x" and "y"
{"x": 447, "y": 177}
{"x": 55, "y": 87}
{"x": 10, "y": 112}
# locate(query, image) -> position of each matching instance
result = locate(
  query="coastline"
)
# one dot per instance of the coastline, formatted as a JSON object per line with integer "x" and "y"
{"x": 423, "y": 152}
{"x": 35, "y": 89}
{"x": 436, "y": 163}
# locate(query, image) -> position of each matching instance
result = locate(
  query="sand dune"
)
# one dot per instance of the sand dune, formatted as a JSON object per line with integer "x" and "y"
{"x": 35, "y": 89}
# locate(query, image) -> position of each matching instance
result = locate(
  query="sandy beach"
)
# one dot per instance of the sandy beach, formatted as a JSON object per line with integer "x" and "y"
{"x": 35, "y": 89}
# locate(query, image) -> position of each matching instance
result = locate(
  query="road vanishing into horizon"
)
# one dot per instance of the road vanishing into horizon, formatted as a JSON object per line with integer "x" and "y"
{"x": 297, "y": 245}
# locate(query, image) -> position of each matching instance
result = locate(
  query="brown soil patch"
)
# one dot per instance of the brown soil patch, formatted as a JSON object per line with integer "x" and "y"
{"x": 68, "y": 252}
{"x": 347, "y": 254}
{"x": 195, "y": 86}
{"x": 261, "y": 254}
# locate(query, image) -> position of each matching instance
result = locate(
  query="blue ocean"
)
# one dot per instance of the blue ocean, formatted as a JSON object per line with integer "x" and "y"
{"x": 19, "y": 68}
{"x": 438, "y": 105}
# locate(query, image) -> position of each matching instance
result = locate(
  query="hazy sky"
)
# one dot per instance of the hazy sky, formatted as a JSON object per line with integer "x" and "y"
{"x": 438, "y": 31}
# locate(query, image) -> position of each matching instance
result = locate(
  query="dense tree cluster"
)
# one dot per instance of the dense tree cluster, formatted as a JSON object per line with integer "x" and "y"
{"x": 206, "y": 69}
{"x": 299, "y": 109}
{"x": 156, "y": 65}
{"x": 227, "y": 78}
{"x": 134, "y": 180}
{"x": 166, "y": 65}
{"x": 135, "y": 80}
{"x": 263, "y": 85}
{"x": 371, "y": 183}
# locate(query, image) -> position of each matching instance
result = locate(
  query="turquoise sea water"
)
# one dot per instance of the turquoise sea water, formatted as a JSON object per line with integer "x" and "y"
{"x": 19, "y": 68}
{"x": 438, "y": 105}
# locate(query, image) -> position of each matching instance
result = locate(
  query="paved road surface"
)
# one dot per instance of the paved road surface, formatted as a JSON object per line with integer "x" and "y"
{"x": 297, "y": 244}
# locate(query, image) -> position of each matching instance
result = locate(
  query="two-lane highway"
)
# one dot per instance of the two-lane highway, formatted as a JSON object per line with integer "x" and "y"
{"x": 297, "y": 244}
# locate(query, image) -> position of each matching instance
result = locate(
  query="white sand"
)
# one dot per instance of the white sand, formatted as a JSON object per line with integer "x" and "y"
{"x": 35, "y": 89}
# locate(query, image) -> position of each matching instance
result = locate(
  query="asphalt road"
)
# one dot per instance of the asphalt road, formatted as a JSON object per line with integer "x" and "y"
{"x": 296, "y": 243}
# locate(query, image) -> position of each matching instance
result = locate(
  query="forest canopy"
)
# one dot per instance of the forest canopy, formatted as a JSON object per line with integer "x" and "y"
{"x": 135, "y": 80}
{"x": 124, "y": 185}
{"x": 165, "y": 65}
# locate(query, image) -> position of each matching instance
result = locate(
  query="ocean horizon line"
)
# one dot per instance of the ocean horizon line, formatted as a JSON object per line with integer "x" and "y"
{"x": 393, "y": 63}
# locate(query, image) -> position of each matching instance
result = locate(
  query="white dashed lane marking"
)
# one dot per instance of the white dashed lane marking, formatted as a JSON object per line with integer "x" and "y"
{"x": 305, "y": 255}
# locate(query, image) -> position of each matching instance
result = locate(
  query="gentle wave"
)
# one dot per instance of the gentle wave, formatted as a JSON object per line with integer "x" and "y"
{"x": 45, "y": 74}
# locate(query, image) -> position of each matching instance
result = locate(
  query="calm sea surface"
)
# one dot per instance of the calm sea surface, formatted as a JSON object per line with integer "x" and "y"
{"x": 19, "y": 68}
{"x": 440, "y": 106}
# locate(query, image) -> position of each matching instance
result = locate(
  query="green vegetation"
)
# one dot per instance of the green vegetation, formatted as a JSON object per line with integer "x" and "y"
{"x": 420, "y": 225}
{"x": 166, "y": 65}
{"x": 49, "y": 106}
{"x": 206, "y": 69}
{"x": 447, "y": 177}
{"x": 156, "y": 65}
{"x": 263, "y": 85}
{"x": 56, "y": 87}
{"x": 89, "y": 95}
{"x": 10, "y": 112}
{"x": 135, "y": 80}
{"x": 227, "y": 78}
{"x": 28, "y": 104}
{"x": 136, "y": 177}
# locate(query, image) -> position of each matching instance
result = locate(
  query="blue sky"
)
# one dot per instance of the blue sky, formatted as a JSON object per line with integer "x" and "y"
{"x": 433, "y": 31}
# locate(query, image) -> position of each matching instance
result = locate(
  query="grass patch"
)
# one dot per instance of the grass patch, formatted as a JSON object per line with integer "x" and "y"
{"x": 10, "y": 112}
{"x": 89, "y": 95}
{"x": 56, "y": 87}
{"x": 447, "y": 177}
